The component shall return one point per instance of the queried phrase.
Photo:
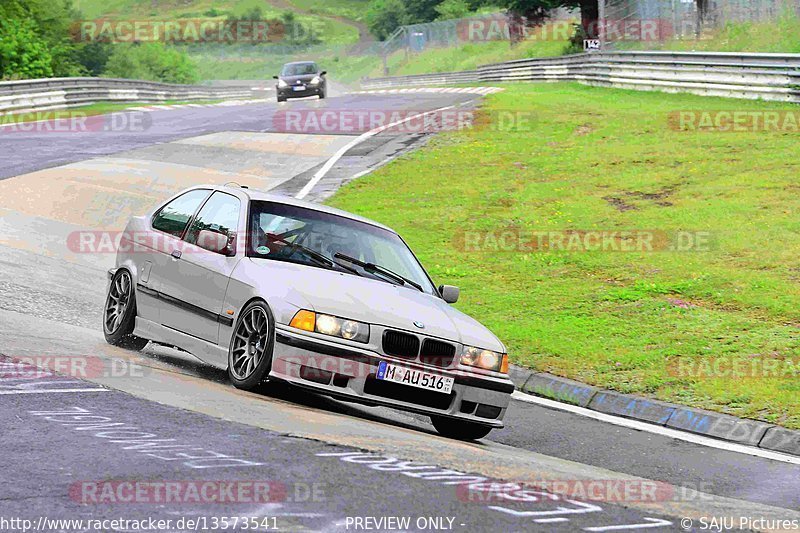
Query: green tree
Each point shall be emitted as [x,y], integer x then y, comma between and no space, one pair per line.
[23,53]
[533,12]
[385,16]
[94,56]
[52,21]
[152,61]
[421,10]
[453,9]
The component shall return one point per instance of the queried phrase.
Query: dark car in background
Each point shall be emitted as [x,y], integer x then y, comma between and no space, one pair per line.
[301,79]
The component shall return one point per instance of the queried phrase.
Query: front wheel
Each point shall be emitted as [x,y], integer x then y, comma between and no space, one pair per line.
[456,429]
[281,99]
[250,351]
[119,316]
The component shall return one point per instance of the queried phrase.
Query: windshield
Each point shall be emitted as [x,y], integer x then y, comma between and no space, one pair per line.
[289,233]
[299,69]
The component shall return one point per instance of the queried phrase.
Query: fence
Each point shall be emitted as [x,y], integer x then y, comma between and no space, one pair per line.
[754,76]
[52,93]
[689,18]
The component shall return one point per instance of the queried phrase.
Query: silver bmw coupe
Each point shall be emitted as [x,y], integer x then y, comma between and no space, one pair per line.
[277,289]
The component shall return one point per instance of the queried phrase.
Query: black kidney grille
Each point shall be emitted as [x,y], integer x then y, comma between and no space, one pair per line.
[437,353]
[400,344]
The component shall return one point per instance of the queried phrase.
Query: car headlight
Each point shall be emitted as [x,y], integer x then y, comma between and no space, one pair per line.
[316,80]
[486,359]
[282,84]
[334,326]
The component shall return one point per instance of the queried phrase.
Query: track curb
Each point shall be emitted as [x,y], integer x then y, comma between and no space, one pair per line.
[680,417]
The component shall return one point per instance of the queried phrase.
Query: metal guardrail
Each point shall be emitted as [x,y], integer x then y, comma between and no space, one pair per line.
[54,93]
[754,76]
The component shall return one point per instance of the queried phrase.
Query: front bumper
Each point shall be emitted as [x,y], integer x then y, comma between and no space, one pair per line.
[309,91]
[348,372]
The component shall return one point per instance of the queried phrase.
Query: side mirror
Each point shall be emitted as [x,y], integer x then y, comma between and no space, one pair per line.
[276,77]
[213,241]
[323,72]
[449,293]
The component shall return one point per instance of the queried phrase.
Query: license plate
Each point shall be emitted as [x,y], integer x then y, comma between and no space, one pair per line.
[414,378]
[299,88]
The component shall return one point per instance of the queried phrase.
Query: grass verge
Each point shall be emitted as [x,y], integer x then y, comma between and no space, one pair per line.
[667,324]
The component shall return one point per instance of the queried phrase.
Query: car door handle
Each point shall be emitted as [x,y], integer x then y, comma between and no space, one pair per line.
[176,254]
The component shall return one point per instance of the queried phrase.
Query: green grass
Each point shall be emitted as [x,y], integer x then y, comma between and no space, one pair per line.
[254,65]
[615,319]
[330,30]
[470,56]
[349,9]
[248,63]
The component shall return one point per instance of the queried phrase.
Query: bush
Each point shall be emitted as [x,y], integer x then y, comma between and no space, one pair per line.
[23,53]
[152,61]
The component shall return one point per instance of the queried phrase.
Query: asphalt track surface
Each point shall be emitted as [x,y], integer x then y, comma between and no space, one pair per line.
[50,306]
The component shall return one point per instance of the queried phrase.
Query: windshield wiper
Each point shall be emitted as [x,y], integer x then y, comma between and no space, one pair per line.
[313,254]
[377,269]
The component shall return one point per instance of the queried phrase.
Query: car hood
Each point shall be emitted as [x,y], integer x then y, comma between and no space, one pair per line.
[377,302]
[305,78]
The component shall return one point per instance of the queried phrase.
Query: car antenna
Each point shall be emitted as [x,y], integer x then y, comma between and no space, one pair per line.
[235,184]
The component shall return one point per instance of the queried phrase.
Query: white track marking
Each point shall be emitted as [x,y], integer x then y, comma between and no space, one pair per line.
[652,522]
[658,430]
[358,140]
[48,391]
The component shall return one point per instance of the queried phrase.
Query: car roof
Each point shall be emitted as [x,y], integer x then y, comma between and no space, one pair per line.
[301,63]
[256,194]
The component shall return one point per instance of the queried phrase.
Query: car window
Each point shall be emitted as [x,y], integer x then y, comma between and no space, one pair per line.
[174,216]
[300,69]
[220,214]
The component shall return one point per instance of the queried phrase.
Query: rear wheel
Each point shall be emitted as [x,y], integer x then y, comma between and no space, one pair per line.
[250,351]
[456,429]
[119,316]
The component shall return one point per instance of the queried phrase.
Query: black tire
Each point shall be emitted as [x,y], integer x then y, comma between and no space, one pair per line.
[251,347]
[119,314]
[281,99]
[457,429]
[323,94]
